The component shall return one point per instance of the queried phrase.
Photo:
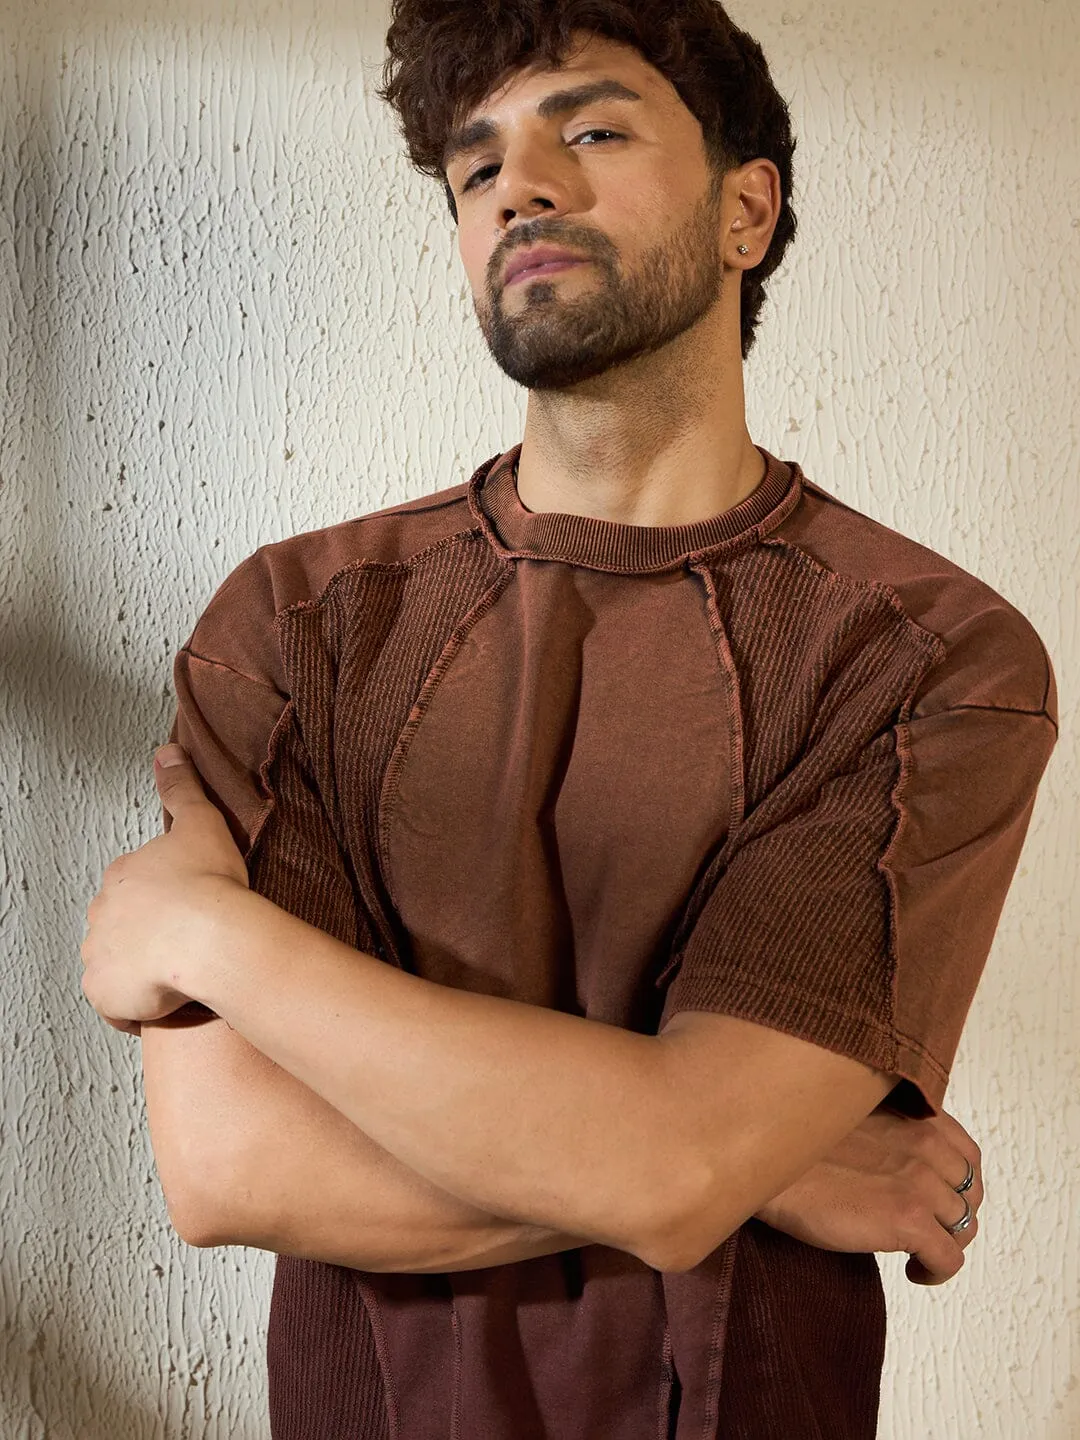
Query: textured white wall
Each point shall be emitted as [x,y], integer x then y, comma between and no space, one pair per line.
[229,312]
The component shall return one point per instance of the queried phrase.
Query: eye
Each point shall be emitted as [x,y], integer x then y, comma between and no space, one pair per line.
[476,181]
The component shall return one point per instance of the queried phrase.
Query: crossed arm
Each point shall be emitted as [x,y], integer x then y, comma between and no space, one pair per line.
[247,1155]
[657,1145]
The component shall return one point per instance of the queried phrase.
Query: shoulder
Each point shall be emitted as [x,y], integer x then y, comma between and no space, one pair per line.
[237,628]
[990,655]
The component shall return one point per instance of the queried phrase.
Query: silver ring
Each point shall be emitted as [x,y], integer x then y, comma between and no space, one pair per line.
[967,1181]
[964,1222]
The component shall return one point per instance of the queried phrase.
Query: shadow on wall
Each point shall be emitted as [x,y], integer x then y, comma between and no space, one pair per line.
[49,1375]
[91,714]
[58,1383]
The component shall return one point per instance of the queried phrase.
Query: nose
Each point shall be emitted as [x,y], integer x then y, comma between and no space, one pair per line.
[535,179]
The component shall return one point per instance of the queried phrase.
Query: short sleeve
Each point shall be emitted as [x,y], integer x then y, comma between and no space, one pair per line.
[861,918]
[238,723]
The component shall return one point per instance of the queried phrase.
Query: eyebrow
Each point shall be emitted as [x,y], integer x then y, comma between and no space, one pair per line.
[561,102]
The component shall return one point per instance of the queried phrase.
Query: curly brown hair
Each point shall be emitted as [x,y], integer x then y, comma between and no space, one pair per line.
[445,56]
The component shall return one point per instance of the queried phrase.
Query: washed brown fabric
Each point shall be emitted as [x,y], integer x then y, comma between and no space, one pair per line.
[777,764]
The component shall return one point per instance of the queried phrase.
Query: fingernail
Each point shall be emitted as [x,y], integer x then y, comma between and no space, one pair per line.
[170,755]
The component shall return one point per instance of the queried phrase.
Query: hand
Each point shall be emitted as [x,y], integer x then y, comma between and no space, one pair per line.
[152,912]
[889,1186]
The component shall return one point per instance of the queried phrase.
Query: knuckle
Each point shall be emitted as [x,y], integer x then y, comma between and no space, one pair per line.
[912,1218]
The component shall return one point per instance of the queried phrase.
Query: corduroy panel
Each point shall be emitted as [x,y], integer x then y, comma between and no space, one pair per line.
[357,660]
[796,932]
[823,661]
[790,924]
[296,861]
[806,1342]
[324,1377]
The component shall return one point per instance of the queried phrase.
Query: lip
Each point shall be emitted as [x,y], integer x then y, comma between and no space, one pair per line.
[541,261]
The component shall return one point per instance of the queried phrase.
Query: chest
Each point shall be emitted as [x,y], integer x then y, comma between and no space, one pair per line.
[564,776]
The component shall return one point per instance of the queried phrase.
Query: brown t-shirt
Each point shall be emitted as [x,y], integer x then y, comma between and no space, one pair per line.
[777,764]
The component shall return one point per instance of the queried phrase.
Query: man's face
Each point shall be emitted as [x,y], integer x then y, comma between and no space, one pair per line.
[643,209]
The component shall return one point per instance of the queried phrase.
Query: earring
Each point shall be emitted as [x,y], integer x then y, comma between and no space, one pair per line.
[744,249]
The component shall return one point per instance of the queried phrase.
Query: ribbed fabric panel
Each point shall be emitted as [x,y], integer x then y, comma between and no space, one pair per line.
[357,661]
[791,922]
[295,861]
[806,1342]
[324,1376]
[823,661]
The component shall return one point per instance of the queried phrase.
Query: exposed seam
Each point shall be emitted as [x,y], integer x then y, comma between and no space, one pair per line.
[392,775]
[1042,714]
[730,676]
[272,745]
[718,1339]
[371,1305]
[419,507]
[897,792]
[877,587]
[917,1048]
[667,1387]
[222,665]
[455,1391]
[387,567]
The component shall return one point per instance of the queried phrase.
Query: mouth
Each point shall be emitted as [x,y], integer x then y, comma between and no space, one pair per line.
[549,267]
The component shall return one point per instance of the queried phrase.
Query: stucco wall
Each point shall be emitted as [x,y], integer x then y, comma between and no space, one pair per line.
[229,312]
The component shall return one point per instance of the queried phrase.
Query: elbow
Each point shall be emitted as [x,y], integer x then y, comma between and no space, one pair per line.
[680,1250]
[203,1215]
[196,1223]
[672,1254]
[689,1234]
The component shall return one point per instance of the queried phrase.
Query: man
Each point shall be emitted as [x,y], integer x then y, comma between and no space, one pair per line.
[625,829]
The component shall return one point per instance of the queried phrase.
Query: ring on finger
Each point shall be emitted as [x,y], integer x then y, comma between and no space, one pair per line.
[964,1221]
[968,1180]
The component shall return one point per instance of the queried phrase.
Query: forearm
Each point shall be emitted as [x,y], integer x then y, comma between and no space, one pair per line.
[531,1114]
[247,1155]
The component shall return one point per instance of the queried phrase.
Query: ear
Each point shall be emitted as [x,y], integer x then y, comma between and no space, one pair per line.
[755,196]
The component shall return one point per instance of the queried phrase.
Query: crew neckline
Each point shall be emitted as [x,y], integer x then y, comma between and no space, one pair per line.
[515,532]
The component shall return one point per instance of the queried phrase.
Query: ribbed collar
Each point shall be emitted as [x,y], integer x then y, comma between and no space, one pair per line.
[605,545]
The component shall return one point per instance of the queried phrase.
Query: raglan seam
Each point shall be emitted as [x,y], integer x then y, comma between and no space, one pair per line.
[224,665]
[1042,714]
[388,567]
[887,592]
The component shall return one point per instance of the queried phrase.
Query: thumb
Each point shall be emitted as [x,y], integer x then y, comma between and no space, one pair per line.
[177,780]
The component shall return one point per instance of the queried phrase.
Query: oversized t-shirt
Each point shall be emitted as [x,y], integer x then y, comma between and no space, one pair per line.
[777,764]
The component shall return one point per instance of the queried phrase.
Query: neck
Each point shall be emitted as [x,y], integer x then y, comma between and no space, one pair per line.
[659,441]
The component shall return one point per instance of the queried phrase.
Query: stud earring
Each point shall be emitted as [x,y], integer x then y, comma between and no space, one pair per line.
[744,249]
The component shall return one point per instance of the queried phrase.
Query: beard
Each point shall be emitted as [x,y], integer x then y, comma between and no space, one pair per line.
[555,341]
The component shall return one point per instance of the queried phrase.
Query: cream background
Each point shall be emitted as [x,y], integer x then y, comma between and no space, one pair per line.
[229,312]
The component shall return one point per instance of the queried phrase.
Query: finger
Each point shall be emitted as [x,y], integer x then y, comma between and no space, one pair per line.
[935,1255]
[953,1169]
[177,780]
[951,1211]
[952,1129]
